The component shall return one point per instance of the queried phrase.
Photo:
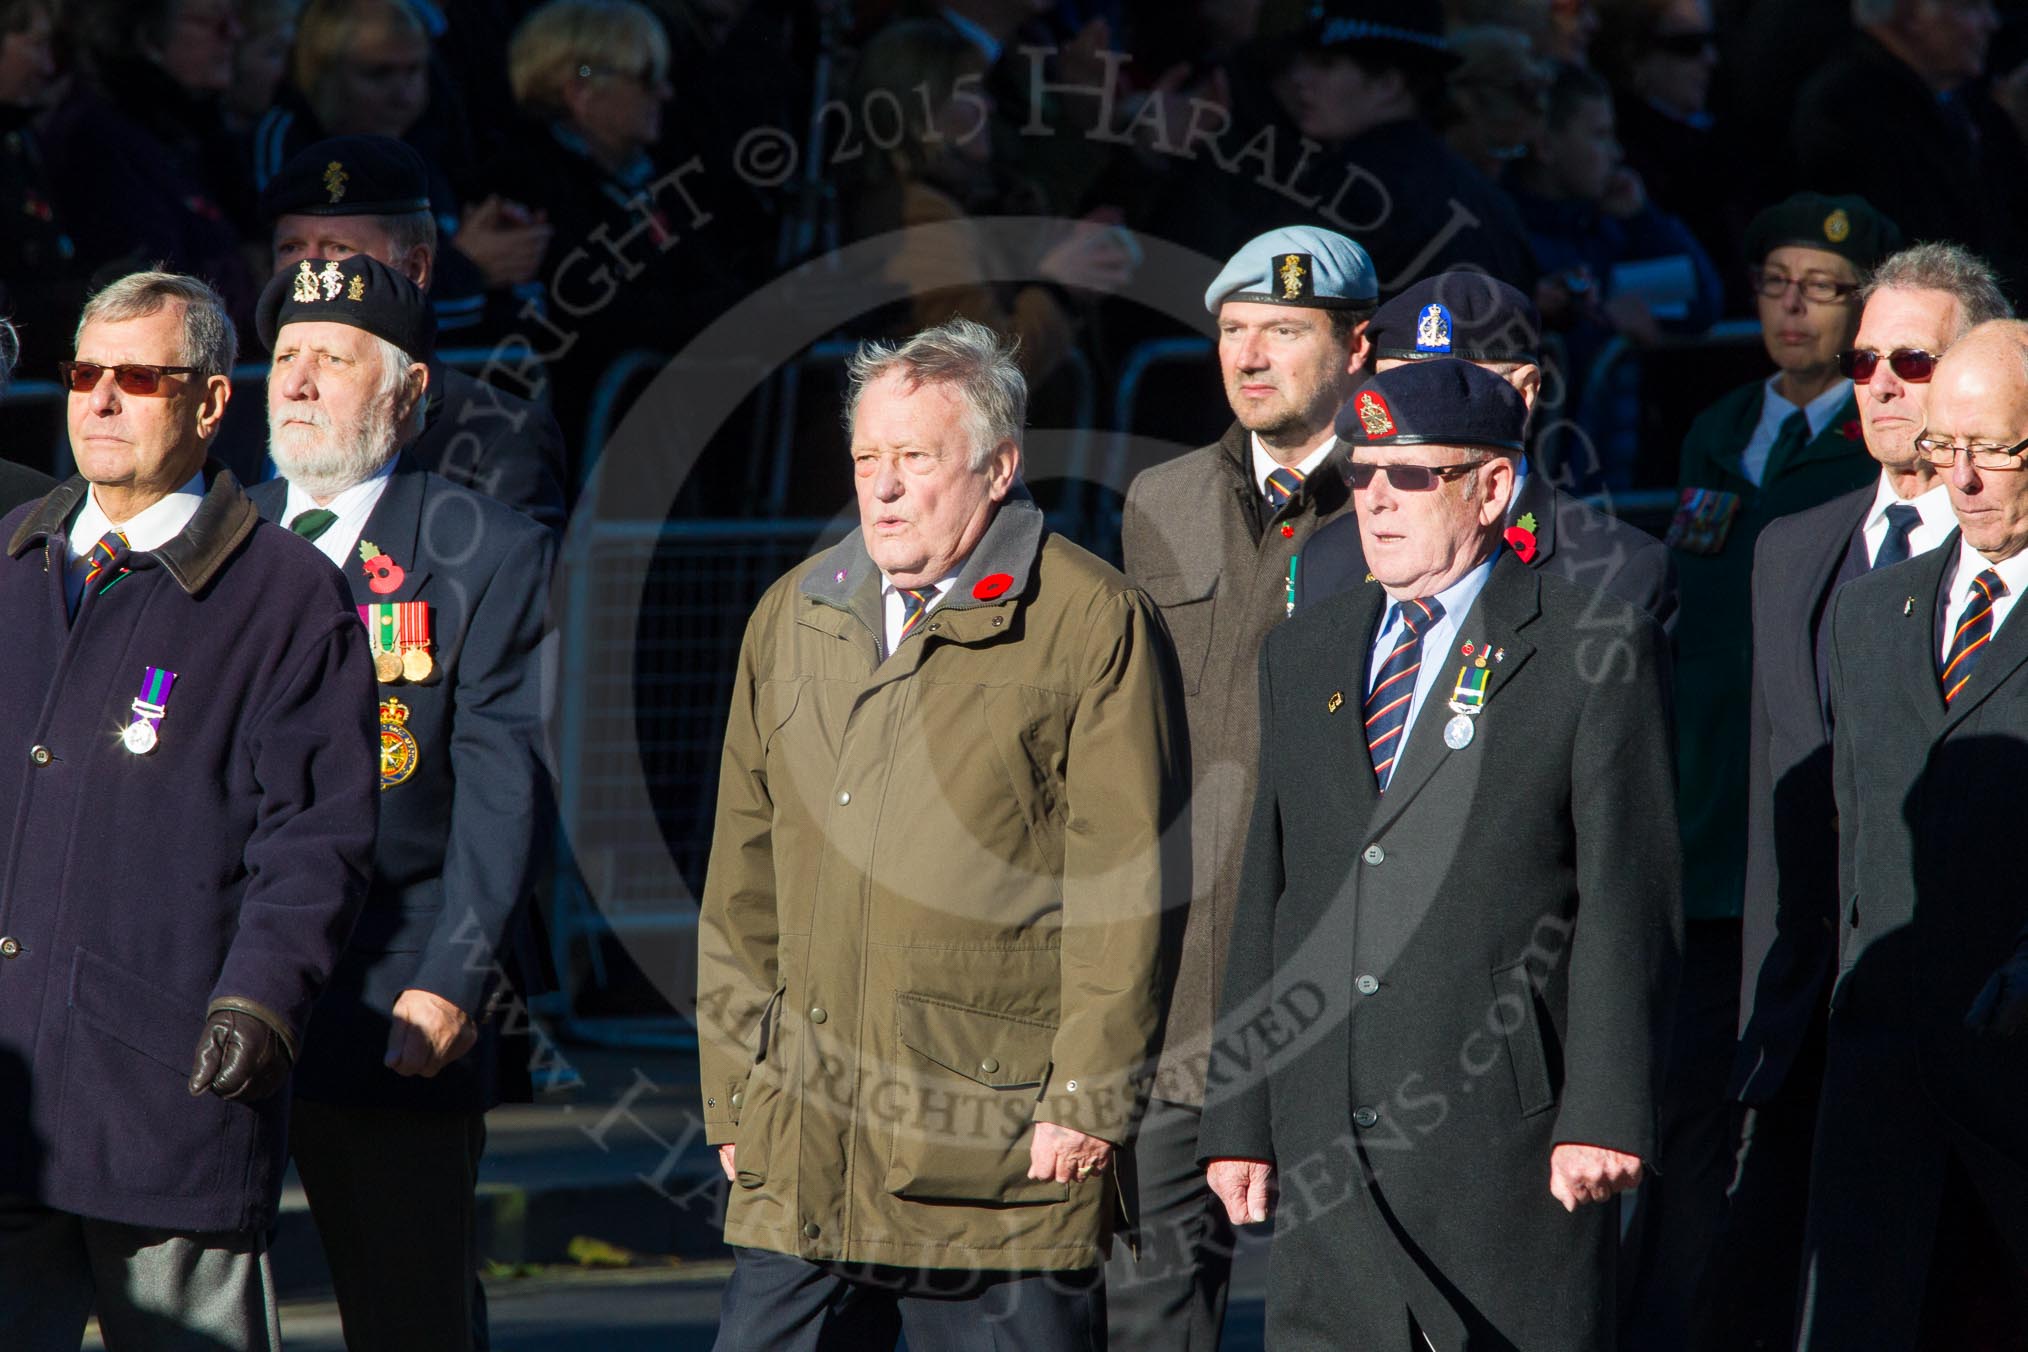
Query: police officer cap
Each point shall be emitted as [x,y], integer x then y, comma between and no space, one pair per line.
[1846,226]
[1410,32]
[349,176]
[361,291]
[1457,314]
[1298,265]
[1442,403]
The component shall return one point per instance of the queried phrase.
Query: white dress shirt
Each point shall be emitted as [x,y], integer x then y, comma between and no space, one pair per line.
[1935,527]
[1775,410]
[341,538]
[150,528]
[1437,648]
[895,613]
[1970,563]
[1265,464]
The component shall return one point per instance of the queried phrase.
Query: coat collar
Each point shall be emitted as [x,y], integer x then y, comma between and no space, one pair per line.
[1538,497]
[193,557]
[1325,486]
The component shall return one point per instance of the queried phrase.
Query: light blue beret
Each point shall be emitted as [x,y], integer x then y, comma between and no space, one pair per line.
[1298,265]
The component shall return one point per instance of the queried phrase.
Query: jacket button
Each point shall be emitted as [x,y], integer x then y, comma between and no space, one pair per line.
[817,1015]
[1374,854]
[1365,1117]
[10,947]
[1367,984]
[1071,1087]
[812,1230]
[844,798]
[40,755]
[738,1099]
[989,1065]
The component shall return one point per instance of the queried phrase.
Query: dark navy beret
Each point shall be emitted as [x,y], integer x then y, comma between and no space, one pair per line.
[1457,314]
[1409,31]
[1847,226]
[1443,403]
[360,291]
[349,176]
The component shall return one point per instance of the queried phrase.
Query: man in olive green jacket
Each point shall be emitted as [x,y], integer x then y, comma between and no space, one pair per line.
[930,972]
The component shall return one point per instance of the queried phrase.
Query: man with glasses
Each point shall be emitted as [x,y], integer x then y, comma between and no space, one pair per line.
[1770,448]
[1443,776]
[1919,302]
[1918,1210]
[192,815]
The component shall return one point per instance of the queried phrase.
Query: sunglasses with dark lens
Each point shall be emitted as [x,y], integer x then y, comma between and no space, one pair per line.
[82,377]
[1911,364]
[1406,478]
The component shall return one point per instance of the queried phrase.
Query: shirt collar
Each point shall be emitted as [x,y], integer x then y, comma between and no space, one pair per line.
[943,585]
[1933,505]
[1818,410]
[1457,598]
[975,35]
[2014,572]
[1265,464]
[300,501]
[150,528]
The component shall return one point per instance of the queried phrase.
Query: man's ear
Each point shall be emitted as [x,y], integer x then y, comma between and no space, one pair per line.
[1358,348]
[211,408]
[1003,467]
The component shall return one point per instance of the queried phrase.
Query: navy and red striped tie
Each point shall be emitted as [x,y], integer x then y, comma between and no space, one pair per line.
[1393,693]
[1283,484]
[1974,632]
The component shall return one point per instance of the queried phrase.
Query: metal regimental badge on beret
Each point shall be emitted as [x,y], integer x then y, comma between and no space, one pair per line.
[1296,271]
[335,179]
[398,750]
[1374,414]
[1837,226]
[306,285]
[1433,330]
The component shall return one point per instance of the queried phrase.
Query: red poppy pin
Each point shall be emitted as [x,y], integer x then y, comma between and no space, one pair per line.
[1851,428]
[1520,537]
[992,586]
[383,575]
[1288,531]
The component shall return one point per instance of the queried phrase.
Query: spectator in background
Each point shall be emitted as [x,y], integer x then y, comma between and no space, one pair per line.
[259,62]
[1558,30]
[1932,150]
[41,285]
[1589,220]
[1496,99]
[18,483]
[365,67]
[138,154]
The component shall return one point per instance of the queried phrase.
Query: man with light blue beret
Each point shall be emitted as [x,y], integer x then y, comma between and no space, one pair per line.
[1213,538]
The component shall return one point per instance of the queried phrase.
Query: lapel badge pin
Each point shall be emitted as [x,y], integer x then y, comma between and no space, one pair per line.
[1908,606]
[838,576]
[1335,703]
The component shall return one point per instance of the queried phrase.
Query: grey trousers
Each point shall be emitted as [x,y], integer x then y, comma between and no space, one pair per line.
[154,1290]
[1171,1296]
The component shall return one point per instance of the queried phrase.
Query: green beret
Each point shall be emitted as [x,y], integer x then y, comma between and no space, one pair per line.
[1846,226]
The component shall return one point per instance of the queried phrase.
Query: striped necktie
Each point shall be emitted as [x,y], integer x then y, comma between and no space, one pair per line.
[1282,484]
[1387,706]
[111,547]
[915,603]
[1974,632]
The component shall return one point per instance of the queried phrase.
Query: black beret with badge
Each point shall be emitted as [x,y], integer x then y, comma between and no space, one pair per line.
[1407,32]
[1847,226]
[360,291]
[1445,402]
[1457,314]
[349,176]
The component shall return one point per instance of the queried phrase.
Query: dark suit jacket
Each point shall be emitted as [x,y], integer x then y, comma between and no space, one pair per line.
[455,848]
[1573,538]
[498,443]
[1452,978]
[1790,926]
[19,484]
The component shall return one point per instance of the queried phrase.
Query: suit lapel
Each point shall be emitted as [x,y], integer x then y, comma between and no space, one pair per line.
[1367,606]
[1916,655]
[2005,652]
[395,527]
[1537,498]
[1511,598]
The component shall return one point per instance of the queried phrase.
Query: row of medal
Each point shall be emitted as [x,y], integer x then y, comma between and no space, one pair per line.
[399,634]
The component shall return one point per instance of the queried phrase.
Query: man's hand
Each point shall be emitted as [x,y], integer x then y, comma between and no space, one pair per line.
[2001,1009]
[239,1058]
[504,240]
[1064,1155]
[1590,1173]
[725,1163]
[429,1033]
[1243,1186]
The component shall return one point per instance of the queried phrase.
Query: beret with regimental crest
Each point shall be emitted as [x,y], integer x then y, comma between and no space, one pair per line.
[360,291]
[1445,402]
[349,176]
[1847,226]
[1297,265]
[1404,32]
[1457,314]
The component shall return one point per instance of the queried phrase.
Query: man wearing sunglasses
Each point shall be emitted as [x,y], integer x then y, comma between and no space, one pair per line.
[192,817]
[1920,301]
[1449,763]
[1926,1066]
[1213,538]
[1485,321]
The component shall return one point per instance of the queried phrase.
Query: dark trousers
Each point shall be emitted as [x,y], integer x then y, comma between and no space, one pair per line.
[777,1302]
[1166,1280]
[1681,1207]
[391,1192]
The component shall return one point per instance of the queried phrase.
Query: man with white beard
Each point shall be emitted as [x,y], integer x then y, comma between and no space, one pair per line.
[396,1076]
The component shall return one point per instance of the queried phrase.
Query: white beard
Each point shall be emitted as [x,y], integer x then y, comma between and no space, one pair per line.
[325,460]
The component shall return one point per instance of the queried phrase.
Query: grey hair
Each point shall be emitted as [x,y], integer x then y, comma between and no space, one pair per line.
[394,379]
[209,343]
[410,230]
[964,354]
[1952,269]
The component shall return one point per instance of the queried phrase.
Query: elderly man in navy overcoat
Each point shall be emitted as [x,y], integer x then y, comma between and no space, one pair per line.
[190,820]
[451,585]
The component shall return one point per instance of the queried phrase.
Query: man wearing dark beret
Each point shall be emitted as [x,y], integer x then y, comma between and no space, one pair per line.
[1769,448]
[1483,320]
[191,816]
[391,1093]
[370,195]
[1448,1074]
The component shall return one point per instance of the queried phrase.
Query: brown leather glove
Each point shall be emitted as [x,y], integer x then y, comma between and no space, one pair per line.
[241,1057]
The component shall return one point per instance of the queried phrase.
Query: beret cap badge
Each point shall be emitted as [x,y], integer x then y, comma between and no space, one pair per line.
[1837,226]
[1374,414]
[1295,276]
[335,179]
[1433,330]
